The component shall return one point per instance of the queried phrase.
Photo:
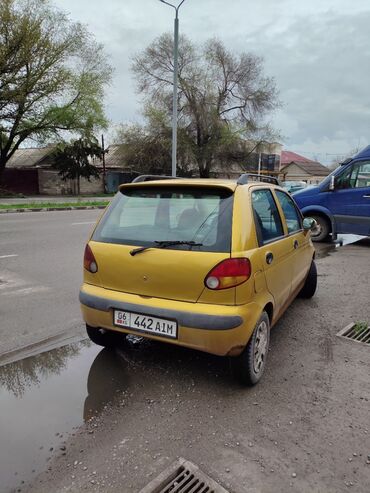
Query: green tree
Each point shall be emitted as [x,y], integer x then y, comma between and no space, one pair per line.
[52,76]
[146,148]
[223,98]
[74,160]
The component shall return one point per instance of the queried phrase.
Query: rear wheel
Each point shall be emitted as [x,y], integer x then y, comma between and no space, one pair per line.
[322,230]
[309,287]
[106,338]
[250,365]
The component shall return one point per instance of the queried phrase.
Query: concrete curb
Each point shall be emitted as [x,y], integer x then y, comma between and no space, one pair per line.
[42,209]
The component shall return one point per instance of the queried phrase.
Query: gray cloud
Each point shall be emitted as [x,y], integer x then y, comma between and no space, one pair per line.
[318,53]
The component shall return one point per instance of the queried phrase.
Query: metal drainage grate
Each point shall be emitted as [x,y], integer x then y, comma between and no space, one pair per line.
[354,333]
[183,477]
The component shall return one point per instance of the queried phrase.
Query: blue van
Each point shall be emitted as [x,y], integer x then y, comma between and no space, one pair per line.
[341,202]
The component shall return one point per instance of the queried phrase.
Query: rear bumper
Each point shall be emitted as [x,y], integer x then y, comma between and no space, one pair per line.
[217,329]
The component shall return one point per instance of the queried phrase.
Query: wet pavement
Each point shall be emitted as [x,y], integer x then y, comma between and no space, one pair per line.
[325,249]
[45,398]
[42,399]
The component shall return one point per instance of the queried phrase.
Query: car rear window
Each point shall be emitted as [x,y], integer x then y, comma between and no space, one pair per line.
[142,216]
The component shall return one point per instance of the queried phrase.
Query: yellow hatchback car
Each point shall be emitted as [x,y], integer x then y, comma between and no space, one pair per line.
[206,264]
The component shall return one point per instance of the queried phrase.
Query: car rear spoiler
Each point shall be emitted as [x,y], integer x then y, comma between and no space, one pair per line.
[248,177]
[141,178]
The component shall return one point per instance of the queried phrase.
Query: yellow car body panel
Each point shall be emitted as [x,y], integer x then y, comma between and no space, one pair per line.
[219,342]
[171,281]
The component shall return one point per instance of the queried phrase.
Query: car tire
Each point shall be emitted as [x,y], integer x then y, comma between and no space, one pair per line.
[309,287]
[322,230]
[105,338]
[250,365]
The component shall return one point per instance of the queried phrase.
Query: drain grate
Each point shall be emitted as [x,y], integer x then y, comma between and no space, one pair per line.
[183,477]
[355,333]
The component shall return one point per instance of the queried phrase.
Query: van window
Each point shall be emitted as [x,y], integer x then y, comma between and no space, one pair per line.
[357,176]
[142,216]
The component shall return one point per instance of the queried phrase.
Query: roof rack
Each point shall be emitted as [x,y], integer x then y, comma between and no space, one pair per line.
[141,178]
[248,177]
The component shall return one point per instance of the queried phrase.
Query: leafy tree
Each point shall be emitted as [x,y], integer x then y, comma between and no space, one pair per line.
[223,97]
[52,76]
[147,148]
[74,160]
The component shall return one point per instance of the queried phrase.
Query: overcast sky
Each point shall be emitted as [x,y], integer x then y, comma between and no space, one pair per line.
[318,51]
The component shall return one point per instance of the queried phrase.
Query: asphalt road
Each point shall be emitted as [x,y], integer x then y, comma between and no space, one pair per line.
[304,428]
[40,274]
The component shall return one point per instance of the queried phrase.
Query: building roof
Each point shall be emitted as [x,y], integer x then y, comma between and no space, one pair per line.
[114,157]
[311,167]
[291,157]
[30,157]
[33,157]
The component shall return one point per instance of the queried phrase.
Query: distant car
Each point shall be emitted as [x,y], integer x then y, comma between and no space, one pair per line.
[206,264]
[294,186]
[341,202]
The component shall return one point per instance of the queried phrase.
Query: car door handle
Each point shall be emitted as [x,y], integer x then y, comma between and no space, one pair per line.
[295,244]
[269,258]
[366,196]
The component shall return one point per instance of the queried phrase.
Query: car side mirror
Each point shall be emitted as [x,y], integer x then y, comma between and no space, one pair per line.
[309,224]
[332,183]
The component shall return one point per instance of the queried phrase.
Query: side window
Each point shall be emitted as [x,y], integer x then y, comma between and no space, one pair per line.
[292,216]
[357,176]
[267,218]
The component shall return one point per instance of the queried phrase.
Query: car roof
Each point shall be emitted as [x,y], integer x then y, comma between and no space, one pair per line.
[197,182]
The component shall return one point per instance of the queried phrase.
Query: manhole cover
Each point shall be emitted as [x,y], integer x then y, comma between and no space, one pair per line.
[356,332]
[183,477]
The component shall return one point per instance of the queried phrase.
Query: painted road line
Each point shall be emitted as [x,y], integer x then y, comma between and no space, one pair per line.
[78,224]
[8,256]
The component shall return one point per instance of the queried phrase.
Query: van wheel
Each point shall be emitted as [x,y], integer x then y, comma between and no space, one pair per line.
[250,365]
[106,338]
[309,287]
[322,230]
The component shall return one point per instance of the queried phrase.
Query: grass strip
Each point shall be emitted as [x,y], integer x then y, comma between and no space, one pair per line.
[54,205]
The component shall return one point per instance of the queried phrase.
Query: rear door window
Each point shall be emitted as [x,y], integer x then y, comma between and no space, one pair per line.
[267,217]
[292,216]
[141,216]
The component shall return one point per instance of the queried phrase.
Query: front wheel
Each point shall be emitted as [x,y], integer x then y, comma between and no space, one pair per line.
[250,365]
[105,338]
[322,229]
[309,287]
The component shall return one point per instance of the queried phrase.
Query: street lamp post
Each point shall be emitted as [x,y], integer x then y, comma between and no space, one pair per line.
[175,82]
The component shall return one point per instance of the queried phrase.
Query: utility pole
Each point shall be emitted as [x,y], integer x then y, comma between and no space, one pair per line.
[175,84]
[104,174]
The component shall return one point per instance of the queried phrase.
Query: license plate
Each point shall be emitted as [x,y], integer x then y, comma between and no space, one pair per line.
[145,323]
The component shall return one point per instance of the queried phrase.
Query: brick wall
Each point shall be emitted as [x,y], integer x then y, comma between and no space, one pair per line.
[50,183]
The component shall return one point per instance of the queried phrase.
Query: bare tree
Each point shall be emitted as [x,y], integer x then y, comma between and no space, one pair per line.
[52,76]
[223,97]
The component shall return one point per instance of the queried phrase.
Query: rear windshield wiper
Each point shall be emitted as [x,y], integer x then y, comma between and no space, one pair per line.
[165,244]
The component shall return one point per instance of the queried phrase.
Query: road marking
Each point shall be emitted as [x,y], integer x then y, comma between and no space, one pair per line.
[25,291]
[11,284]
[8,256]
[89,222]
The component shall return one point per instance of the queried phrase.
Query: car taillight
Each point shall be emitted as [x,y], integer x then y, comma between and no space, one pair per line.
[229,273]
[89,260]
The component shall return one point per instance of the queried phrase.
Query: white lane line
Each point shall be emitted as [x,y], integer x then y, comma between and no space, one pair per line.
[29,290]
[8,256]
[89,222]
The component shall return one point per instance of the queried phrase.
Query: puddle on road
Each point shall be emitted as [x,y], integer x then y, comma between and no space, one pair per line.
[325,249]
[42,399]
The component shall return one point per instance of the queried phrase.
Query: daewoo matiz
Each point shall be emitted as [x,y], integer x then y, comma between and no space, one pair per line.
[206,264]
